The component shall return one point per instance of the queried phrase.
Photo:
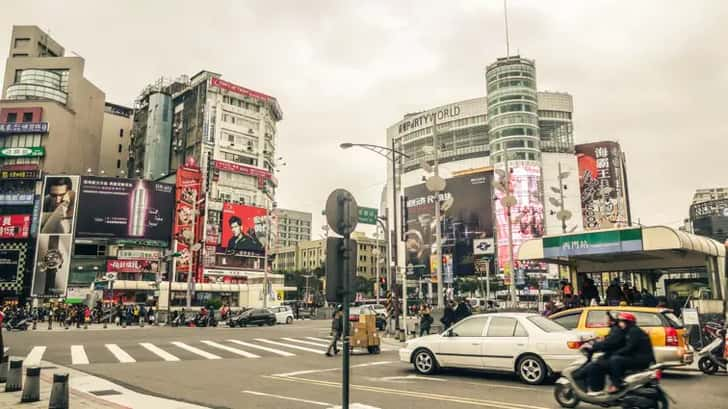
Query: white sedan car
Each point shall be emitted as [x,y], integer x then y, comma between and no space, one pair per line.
[284,314]
[528,344]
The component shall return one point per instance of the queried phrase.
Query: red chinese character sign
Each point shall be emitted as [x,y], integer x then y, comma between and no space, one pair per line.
[188,192]
[14,226]
[604,200]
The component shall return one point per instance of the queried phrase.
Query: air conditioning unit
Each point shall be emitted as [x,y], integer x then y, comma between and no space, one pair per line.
[250,130]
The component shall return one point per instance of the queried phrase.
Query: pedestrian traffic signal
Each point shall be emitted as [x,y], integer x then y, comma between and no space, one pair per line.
[336,268]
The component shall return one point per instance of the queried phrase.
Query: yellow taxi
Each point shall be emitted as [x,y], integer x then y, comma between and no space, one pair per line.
[666,331]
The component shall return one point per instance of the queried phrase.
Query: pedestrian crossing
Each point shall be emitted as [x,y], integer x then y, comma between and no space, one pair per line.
[174,351]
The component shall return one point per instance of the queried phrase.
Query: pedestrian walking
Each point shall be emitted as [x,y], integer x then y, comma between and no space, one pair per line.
[337,327]
[590,292]
[462,311]
[448,316]
[425,319]
[614,293]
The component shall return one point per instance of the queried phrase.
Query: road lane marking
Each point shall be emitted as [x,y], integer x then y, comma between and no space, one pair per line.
[78,355]
[313,402]
[495,385]
[35,355]
[310,371]
[194,350]
[413,394]
[120,354]
[318,339]
[230,349]
[316,344]
[262,348]
[280,344]
[159,352]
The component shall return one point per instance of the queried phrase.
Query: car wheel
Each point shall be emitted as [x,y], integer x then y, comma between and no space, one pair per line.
[272,322]
[425,362]
[289,320]
[532,370]
[707,366]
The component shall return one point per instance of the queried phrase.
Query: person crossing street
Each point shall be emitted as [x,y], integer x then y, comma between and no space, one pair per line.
[337,327]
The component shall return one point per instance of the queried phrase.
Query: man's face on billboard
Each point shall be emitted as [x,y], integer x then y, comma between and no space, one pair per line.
[235,228]
[58,193]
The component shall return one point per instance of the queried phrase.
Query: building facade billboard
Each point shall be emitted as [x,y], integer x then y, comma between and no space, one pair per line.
[604,200]
[15,226]
[243,230]
[55,237]
[124,208]
[526,215]
[467,212]
[188,192]
[9,263]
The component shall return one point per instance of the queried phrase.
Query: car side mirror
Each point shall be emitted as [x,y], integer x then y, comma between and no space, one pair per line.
[450,333]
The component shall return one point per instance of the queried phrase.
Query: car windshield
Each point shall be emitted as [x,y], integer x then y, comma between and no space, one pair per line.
[546,324]
[673,319]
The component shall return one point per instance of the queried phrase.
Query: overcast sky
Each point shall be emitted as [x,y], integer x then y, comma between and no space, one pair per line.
[652,75]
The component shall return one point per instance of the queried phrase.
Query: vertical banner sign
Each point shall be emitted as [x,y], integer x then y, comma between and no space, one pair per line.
[603,194]
[55,236]
[188,190]
[526,216]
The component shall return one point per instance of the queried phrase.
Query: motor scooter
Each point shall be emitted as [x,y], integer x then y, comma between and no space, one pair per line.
[641,389]
[711,358]
[19,323]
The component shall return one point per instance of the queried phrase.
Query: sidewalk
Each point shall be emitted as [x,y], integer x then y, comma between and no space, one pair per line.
[43,327]
[89,392]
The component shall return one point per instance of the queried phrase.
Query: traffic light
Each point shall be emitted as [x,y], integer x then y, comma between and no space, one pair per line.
[383,283]
[335,269]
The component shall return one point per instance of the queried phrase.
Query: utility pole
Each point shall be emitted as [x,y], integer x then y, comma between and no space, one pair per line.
[265,259]
[438,222]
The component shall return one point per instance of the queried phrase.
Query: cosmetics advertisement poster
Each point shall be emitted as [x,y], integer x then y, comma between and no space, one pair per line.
[124,208]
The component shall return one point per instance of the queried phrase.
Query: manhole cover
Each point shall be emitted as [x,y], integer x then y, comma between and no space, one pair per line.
[105,392]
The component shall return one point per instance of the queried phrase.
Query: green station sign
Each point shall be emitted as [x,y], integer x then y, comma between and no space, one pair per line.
[367,215]
[596,242]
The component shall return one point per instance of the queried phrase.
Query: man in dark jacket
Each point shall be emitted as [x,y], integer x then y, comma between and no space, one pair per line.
[614,293]
[598,368]
[462,311]
[448,316]
[590,292]
[636,353]
[337,327]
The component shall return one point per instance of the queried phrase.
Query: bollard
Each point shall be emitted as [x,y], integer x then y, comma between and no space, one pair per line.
[4,368]
[31,389]
[105,324]
[35,324]
[141,322]
[85,325]
[50,323]
[15,376]
[59,392]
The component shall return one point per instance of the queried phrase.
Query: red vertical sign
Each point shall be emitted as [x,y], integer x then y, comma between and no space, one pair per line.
[189,187]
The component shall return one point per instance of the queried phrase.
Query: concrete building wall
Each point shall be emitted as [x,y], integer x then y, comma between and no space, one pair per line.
[31,41]
[115,136]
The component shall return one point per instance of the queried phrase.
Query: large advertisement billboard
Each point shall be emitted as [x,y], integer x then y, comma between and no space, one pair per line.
[526,215]
[55,239]
[14,226]
[243,230]
[188,190]
[124,208]
[9,261]
[466,208]
[604,199]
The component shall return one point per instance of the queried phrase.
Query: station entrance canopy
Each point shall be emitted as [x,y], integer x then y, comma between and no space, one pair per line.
[633,249]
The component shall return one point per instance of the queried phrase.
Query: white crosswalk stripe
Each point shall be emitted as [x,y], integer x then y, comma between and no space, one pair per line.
[262,348]
[318,339]
[78,355]
[195,351]
[280,344]
[120,354]
[159,352]
[317,344]
[35,355]
[230,349]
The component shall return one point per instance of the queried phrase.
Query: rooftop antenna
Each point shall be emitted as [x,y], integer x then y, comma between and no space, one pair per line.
[508,40]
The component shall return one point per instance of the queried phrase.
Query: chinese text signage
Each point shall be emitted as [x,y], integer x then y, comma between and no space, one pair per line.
[24,127]
[367,215]
[603,194]
[14,226]
[30,152]
[600,242]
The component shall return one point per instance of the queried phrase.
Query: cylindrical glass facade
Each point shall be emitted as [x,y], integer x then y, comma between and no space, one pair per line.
[38,84]
[513,110]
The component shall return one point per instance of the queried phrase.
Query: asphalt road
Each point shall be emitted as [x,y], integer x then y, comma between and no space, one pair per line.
[284,367]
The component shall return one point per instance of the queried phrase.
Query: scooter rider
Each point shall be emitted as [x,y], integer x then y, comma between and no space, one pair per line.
[597,369]
[636,354]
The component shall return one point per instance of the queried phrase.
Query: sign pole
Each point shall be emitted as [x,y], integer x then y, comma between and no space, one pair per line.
[346,325]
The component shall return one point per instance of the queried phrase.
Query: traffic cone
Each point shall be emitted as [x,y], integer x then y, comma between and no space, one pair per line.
[31,390]
[59,392]
[14,382]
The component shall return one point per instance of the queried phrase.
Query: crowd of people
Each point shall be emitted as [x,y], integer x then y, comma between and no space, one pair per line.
[615,295]
[81,314]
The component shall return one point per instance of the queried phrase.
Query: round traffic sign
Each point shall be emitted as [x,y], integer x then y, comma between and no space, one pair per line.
[111,276]
[342,212]
[435,183]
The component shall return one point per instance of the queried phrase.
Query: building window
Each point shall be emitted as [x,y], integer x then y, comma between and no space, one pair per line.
[121,133]
[21,42]
[119,148]
[12,117]
[27,117]
[118,163]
